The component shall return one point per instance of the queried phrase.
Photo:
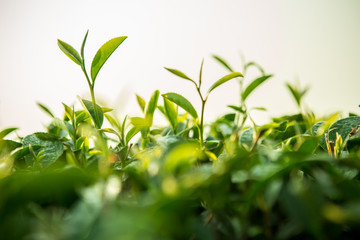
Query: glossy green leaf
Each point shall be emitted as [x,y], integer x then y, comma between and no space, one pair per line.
[180,74]
[70,52]
[52,148]
[225,79]
[223,62]
[141,102]
[7,131]
[253,85]
[171,112]
[151,106]
[88,106]
[182,102]
[103,54]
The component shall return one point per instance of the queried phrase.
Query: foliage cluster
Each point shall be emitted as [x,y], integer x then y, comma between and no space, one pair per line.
[296,177]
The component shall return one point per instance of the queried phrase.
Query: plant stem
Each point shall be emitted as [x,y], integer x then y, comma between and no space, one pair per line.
[91,87]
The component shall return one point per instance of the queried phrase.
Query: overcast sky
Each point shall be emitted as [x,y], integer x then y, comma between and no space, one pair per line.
[314,41]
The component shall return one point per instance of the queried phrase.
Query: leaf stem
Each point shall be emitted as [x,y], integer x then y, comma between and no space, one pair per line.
[92,92]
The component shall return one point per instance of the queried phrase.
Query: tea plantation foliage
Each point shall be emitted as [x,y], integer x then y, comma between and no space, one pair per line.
[296,177]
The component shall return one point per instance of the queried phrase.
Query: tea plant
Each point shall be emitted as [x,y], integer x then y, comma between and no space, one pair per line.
[296,177]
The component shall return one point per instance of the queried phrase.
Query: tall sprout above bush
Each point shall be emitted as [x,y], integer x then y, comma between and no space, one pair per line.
[99,59]
[187,106]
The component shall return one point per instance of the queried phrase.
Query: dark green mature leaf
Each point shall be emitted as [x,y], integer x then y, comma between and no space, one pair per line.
[45,109]
[151,106]
[7,131]
[52,148]
[171,112]
[103,54]
[70,52]
[179,74]
[253,85]
[225,79]
[343,127]
[223,62]
[182,102]
[88,106]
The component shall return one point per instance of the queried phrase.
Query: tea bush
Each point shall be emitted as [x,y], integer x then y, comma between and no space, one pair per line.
[296,177]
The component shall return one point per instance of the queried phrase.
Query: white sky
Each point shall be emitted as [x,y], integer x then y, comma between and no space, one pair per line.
[315,41]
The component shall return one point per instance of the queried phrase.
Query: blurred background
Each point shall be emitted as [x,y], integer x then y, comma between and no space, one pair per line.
[313,42]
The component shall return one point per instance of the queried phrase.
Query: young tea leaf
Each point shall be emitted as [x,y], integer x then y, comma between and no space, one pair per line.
[88,106]
[141,102]
[253,85]
[45,109]
[171,112]
[83,46]
[70,52]
[180,74]
[103,54]
[224,80]
[7,131]
[182,102]
[223,62]
[151,106]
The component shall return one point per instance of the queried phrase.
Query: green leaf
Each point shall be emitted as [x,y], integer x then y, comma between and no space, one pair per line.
[88,106]
[70,52]
[131,133]
[140,122]
[151,106]
[171,112]
[223,62]
[200,73]
[254,64]
[141,102]
[343,127]
[103,54]
[180,74]
[182,102]
[8,145]
[68,112]
[7,131]
[45,109]
[253,85]
[224,80]
[83,46]
[52,148]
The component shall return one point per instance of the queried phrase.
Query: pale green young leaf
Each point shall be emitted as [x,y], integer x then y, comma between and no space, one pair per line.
[223,62]
[140,122]
[68,112]
[70,52]
[170,112]
[141,102]
[83,46]
[180,74]
[182,102]
[225,79]
[131,133]
[151,106]
[253,85]
[103,54]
